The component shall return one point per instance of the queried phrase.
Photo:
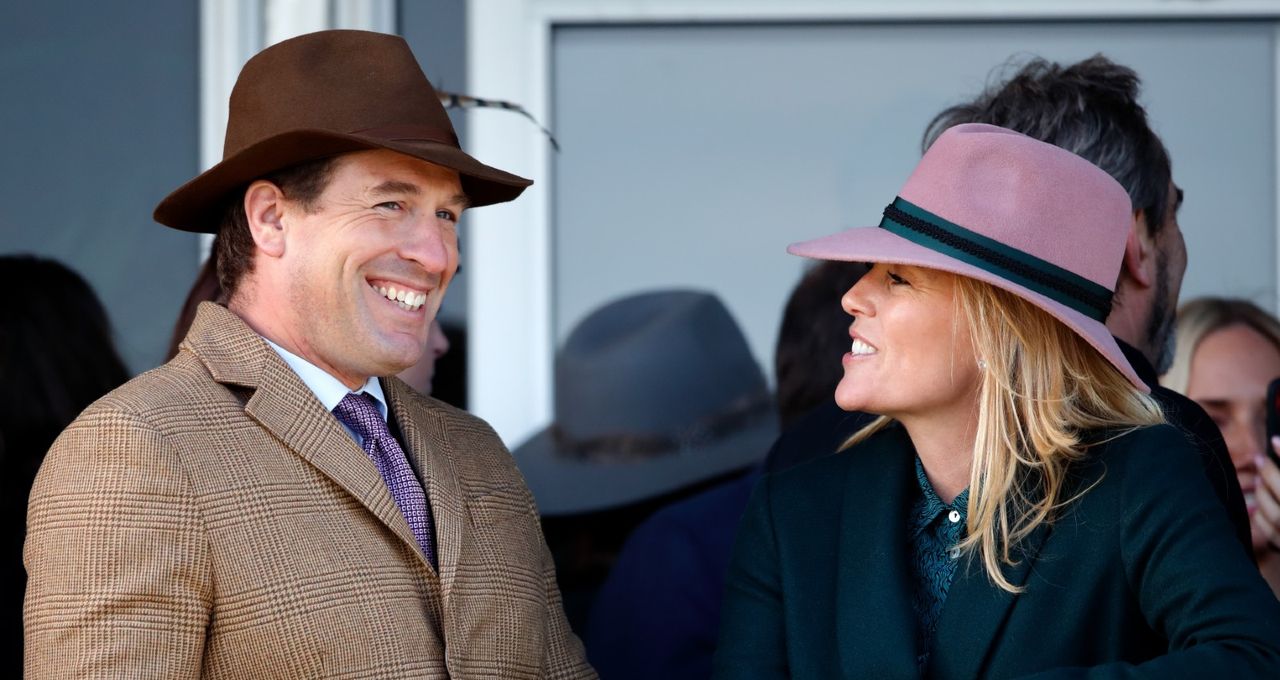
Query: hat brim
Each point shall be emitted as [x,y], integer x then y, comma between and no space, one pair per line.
[197,205]
[873,244]
[564,485]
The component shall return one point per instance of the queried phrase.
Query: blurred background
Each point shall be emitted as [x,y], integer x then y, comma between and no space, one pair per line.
[696,140]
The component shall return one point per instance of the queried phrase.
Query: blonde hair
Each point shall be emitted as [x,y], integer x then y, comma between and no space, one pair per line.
[1042,389]
[1201,317]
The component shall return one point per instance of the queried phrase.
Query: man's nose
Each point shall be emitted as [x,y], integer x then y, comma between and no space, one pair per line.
[428,245]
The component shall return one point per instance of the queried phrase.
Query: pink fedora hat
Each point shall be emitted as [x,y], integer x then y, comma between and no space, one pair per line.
[1015,212]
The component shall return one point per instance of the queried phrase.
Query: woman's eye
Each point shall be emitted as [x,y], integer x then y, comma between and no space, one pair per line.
[898,280]
[446,215]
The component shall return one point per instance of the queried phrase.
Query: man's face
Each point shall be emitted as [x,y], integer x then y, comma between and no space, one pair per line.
[386,225]
[1171,264]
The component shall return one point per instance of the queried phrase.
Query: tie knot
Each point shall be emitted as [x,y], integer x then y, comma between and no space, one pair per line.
[360,413]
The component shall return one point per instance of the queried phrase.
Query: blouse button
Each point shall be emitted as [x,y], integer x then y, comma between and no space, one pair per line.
[954,516]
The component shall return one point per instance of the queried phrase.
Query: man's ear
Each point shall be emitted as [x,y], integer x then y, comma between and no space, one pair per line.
[1139,252]
[264,210]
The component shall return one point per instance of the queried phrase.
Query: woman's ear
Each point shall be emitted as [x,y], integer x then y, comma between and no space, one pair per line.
[264,210]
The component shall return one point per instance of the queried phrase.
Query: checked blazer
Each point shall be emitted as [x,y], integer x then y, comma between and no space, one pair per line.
[211,519]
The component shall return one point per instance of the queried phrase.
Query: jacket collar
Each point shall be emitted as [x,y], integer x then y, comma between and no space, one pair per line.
[280,402]
[1146,372]
[873,596]
[874,585]
[975,610]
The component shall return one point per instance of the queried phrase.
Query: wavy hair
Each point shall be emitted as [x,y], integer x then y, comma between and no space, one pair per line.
[1043,388]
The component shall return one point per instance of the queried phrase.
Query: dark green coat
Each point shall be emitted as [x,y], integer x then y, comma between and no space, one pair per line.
[1140,577]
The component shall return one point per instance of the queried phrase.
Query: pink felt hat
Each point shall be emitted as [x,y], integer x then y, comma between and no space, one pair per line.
[998,206]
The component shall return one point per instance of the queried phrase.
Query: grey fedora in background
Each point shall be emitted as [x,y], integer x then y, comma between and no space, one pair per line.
[654,392]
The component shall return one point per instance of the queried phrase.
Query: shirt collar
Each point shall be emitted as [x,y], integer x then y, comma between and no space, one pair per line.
[930,505]
[328,389]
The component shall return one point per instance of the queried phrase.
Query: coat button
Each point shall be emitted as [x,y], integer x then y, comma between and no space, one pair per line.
[954,553]
[954,516]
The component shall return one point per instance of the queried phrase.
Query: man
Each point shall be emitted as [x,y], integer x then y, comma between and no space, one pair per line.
[1091,108]
[264,505]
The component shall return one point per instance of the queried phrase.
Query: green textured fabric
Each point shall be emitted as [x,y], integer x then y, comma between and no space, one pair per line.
[934,529]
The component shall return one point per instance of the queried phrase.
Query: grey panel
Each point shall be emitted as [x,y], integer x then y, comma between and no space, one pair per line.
[693,155]
[99,121]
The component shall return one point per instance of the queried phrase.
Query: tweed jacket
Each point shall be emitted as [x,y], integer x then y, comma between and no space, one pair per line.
[211,519]
[1139,576]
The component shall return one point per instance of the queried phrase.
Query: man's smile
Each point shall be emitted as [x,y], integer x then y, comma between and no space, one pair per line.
[404,297]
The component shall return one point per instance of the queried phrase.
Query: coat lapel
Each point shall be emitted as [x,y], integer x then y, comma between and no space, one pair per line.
[873,597]
[283,405]
[428,451]
[975,611]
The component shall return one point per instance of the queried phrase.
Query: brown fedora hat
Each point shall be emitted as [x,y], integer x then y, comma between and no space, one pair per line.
[324,94]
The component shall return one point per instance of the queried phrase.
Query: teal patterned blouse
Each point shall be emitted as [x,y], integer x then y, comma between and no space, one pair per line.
[935,528]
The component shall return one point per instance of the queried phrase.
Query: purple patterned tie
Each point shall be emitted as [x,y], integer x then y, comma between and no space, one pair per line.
[360,413]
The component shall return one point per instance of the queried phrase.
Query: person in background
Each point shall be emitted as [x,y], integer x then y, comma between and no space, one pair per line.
[419,376]
[1228,351]
[57,356]
[657,397]
[658,612]
[1091,108]
[1019,508]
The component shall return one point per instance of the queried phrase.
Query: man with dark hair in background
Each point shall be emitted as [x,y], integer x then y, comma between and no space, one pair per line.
[1091,109]
[272,502]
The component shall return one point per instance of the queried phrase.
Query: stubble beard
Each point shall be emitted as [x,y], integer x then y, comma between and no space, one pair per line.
[1161,338]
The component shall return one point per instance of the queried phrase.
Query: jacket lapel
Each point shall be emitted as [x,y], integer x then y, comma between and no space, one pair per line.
[873,597]
[975,610]
[428,451]
[283,405]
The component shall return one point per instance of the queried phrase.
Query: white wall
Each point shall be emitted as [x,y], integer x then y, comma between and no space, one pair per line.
[754,122]
[692,155]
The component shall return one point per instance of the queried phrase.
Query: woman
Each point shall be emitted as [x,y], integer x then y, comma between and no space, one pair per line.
[1228,350]
[57,356]
[1019,508]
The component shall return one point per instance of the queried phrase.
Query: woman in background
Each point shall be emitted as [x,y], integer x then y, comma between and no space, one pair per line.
[1228,350]
[1019,508]
[56,357]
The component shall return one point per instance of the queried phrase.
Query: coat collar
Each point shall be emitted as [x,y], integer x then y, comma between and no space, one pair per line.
[428,447]
[975,612]
[1140,364]
[280,402]
[873,597]
[874,584]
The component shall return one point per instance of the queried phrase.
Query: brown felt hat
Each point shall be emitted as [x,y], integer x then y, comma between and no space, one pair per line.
[324,94]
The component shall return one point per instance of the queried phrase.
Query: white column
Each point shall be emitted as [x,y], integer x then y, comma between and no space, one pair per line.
[509,262]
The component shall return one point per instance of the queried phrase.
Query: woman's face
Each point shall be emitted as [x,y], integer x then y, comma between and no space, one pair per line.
[1230,369]
[911,353]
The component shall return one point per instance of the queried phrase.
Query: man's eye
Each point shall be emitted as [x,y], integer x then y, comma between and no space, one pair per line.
[390,205]
[446,215]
